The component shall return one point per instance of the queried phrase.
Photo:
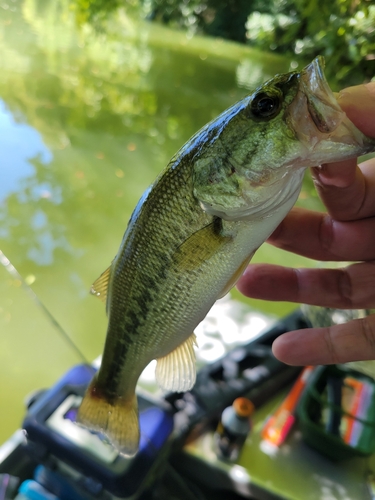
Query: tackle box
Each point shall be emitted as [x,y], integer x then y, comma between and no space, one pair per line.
[336,412]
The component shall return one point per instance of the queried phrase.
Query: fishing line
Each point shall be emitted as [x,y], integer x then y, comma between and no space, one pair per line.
[15,274]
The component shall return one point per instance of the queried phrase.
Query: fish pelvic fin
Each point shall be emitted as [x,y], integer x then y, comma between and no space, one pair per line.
[116,418]
[177,371]
[100,287]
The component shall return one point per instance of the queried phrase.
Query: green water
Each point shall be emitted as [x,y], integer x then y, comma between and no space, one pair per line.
[87,120]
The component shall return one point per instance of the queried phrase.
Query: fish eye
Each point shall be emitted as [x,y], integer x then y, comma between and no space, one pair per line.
[265,105]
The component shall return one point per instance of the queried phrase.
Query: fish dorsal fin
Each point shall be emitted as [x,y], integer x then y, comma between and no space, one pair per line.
[201,245]
[100,287]
[177,371]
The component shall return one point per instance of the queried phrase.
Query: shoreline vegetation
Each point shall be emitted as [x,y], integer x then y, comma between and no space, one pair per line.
[343,31]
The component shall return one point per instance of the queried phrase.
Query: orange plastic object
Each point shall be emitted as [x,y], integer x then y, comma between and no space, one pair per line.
[279,424]
[243,407]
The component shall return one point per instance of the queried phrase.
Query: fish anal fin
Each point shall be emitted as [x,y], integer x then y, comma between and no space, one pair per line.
[116,418]
[177,371]
[100,287]
[201,246]
[236,276]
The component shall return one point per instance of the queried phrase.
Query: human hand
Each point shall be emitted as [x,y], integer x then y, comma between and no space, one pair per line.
[345,233]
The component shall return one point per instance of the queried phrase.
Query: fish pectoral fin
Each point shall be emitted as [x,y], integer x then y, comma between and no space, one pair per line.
[100,287]
[201,245]
[235,277]
[177,371]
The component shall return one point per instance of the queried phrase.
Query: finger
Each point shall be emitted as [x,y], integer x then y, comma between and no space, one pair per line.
[347,288]
[347,190]
[318,236]
[352,341]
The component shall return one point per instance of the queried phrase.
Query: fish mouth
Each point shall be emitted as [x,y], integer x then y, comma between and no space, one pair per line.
[321,103]
[318,121]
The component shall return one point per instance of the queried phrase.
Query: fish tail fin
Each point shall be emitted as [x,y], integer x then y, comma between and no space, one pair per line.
[116,418]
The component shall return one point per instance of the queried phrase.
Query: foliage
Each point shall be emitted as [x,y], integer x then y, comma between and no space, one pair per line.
[97,11]
[223,18]
[342,30]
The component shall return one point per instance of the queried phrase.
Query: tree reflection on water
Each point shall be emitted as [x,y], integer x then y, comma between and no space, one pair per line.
[94,116]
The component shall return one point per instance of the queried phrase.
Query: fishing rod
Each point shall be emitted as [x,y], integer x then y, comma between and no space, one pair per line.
[4,261]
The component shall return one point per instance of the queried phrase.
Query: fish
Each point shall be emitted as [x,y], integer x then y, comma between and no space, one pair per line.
[195,230]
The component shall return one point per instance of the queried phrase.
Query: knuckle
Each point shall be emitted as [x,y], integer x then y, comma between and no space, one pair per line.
[326,232]
[367,329]
[345,288]
[330,345]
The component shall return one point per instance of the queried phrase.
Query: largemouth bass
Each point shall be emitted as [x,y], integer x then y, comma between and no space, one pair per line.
[195,230]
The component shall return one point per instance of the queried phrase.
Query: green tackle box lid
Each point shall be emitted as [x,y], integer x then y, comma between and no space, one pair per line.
[354,433]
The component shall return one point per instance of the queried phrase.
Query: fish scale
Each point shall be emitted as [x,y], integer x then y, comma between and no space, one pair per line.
[159,227]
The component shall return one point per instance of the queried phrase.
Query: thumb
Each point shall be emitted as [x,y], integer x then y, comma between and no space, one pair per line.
[359,104]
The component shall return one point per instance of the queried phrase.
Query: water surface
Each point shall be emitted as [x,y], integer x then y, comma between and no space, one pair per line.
[87,121]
